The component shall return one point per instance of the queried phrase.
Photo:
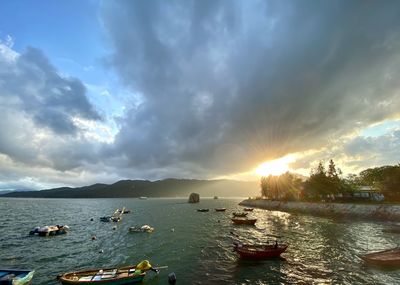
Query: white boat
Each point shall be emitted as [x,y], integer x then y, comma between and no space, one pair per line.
[143,198]
[142,229]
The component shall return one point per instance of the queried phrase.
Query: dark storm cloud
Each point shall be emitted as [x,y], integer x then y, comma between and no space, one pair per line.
[50,98]
[227,84]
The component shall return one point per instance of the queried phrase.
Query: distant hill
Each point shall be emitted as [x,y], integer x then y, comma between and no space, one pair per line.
[160,188]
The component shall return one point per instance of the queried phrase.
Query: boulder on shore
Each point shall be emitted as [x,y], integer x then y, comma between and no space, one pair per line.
[194,198]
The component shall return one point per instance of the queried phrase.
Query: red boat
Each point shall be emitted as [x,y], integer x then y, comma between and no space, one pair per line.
[244,221]
[259,252]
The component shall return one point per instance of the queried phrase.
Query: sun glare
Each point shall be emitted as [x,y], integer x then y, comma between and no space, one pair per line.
[275,167]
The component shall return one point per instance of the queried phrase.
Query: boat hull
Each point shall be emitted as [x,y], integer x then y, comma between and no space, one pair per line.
[386,258]
[106,282]
[22,277]
[244,221]
[260,253]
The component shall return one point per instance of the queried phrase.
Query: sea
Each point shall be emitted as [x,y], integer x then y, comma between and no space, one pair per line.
[196,246]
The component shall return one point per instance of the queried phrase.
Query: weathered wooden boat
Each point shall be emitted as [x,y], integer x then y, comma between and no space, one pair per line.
[142,229]
[203,210]
[244,221]
[220,209]
[385,258]
[50,230]
[248,209]
[108,276]
[16,276]
[259,252]
[392,230]
[236,214]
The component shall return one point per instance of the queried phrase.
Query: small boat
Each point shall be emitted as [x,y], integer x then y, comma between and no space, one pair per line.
[392,230]
[220,209]
[259,252]
[386,258]
[108,276]
[105,219]
[143,198]
[248,209]
[244,221]
[240,214]
[142,229]
[50,230]
[215,197]
[203,210]
[16,276]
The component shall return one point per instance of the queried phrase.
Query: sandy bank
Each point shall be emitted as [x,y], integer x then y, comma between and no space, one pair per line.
[376,212]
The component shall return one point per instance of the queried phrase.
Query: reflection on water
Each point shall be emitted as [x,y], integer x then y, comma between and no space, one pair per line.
[198,249]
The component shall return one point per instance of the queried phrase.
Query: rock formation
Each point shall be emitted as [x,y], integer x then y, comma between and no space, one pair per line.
[194,198]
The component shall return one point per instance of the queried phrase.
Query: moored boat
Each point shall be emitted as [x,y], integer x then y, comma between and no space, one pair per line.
[220,209]
[236,214]
[16,276]
[259,252]
[142,229]
[386,258]
[392,230]
[203,210]
[50,230]
[248,209]
[108,276]
[244,221]
[105,219]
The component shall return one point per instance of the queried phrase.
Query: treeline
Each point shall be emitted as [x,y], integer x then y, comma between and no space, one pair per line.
[329,184]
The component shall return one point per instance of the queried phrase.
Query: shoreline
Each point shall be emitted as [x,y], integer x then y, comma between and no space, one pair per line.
[382,212]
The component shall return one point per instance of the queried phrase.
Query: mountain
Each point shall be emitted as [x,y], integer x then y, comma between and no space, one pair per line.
[161,188]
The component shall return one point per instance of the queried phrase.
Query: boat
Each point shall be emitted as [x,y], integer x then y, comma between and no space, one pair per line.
[215,197]
[248,209]
[244,221]
[392,230]
[220,209]
[49,230]
[143,198]
[236,214]
[16,276]
[386,258]
[142,229]
[106,219]
[259,252]
[108,276]
[203,210]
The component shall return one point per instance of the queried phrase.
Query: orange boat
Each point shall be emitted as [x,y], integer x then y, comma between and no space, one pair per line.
[259,252]
[390,258]
[244,221]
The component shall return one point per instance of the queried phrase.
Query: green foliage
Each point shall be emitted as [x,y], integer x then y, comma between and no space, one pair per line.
[285,186]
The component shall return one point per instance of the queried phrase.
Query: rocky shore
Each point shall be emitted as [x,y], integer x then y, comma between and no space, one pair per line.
[385,212]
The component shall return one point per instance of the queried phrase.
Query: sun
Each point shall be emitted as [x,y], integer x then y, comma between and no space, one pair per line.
[275,167]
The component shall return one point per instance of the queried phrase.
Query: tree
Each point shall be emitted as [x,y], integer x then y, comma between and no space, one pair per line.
[285,186]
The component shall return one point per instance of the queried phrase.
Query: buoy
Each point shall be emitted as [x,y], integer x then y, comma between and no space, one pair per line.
[171,278]
[114,228]
[172,230]
[101,251]
[91,219]
[94,237]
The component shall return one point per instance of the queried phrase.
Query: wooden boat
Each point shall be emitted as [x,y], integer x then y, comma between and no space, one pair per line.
[248,209]
[142,229]
[203,210]
[15,276]
[392,230]
[387,258]
[259,252]
[220,209]
[244,221]
[236,214]
[108,276]
[50,230]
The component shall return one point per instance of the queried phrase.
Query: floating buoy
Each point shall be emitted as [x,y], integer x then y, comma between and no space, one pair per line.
[94,237]
[101,251]
[172,278]
[172,230]
[91,219]
[114,228]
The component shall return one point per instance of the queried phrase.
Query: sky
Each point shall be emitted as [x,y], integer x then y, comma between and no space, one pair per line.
[98,91]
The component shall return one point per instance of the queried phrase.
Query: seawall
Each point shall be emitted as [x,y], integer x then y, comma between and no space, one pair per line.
[385,212]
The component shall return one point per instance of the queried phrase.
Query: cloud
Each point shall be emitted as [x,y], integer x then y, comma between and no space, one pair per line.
[226,85]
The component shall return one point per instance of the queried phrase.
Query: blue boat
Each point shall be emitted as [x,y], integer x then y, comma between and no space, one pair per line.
[15,276]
